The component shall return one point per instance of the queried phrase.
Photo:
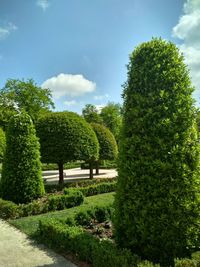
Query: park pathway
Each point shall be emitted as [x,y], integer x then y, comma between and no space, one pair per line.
[16,250]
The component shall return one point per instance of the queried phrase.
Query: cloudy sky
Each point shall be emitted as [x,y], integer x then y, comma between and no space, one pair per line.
[79,48]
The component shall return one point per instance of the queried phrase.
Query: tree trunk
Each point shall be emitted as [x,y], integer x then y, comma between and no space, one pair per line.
[97,167]
[91,170]
[61,177]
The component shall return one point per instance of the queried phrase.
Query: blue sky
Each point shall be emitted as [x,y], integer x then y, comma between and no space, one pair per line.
[79,48]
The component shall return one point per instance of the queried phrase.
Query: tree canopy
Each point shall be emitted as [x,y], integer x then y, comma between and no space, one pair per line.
[157,200]
[21,180]
[64,137]
[90,114]
[111,115]
[20,95]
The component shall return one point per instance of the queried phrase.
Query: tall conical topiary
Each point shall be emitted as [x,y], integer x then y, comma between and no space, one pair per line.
[2,144]
[157,200]
[21,173]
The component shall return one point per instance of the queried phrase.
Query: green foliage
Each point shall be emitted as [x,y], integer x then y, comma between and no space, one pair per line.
[8,209]
[65,136]
[21,180]
[90,114]
[51,188]
[157,200]
[96,189]
[24,96]
[2,144]
[72,198]
[107,144]
[88,248]
[111,115]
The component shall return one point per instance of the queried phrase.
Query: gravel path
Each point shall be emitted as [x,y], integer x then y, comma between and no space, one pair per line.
[16,250]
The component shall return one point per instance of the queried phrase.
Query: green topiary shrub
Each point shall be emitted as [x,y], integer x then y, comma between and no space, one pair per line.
[107,143]
[2,144]
[157,200]
[21,180]
[65,136]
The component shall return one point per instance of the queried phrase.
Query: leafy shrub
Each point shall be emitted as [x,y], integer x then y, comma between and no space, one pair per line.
[185,263]
[50,188]
[8,209]
[70,199]
[157,200]
[21,180]
[98,213]
[88,248]
[96,189]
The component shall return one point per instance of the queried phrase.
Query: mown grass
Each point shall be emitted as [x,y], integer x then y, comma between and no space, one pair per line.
[29,225]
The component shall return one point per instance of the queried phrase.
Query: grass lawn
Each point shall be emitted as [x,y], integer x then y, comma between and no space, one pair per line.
[29,224]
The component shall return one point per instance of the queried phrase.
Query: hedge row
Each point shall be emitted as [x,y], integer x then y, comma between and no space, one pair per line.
[74,239]
[50,188]
[96,189]
[10,210]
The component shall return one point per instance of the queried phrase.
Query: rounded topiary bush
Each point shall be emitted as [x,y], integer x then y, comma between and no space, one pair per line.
[21,180]
[157,200]
[64,137]
[2,144]
[107,143]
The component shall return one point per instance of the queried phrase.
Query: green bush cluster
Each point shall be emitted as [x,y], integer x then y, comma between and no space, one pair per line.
[157,200]
[21,180]
[51,188]
[96,189]
[2,144]
[10,210]
[74,239]
[98,213]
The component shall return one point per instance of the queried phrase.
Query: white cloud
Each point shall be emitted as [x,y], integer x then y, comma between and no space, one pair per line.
[44,4]
[69,85]
[101,97]
[188,30]
[71,103]
[6,30]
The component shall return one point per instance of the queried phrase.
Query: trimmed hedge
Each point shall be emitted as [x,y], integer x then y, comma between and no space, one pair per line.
[9,210]
[96,189]
[74,239]
[51,188]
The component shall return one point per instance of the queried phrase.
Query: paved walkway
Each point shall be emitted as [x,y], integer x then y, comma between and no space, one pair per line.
[16,250]
[77,174]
